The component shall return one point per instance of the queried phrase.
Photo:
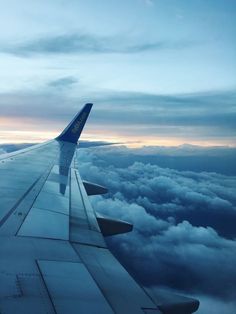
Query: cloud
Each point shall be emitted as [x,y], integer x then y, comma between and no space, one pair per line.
[208,110]
[149,2]
[8,148]
[202,198]
[86,43]
[2,151]
[40,106]
[184,222]
[86,144]
[138,113]
[63,82]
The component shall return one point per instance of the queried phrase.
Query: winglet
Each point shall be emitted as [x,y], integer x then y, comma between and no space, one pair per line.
[75,127]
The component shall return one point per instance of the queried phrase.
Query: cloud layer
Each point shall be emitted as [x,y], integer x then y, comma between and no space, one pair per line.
[207,117]
[184,223]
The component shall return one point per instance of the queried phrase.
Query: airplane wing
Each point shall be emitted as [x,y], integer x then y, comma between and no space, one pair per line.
[53,257]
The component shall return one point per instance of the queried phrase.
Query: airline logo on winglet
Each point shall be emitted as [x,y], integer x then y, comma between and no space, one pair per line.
[72,132]
[79,122]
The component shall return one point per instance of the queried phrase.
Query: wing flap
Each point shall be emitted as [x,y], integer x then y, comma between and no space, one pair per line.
[84,227]
[123,293]
[72,289]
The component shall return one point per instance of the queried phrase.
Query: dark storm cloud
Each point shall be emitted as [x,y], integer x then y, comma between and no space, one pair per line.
[86,43]
[177,239]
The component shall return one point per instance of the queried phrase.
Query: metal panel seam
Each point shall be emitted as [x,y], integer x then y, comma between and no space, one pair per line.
[46,288]
[4,219]
[79,255]
[82,200]
[47,171]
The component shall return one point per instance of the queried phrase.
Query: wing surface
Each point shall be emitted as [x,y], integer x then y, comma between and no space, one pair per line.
[53,257]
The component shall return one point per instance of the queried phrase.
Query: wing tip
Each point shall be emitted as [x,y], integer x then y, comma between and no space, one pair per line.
[74,129]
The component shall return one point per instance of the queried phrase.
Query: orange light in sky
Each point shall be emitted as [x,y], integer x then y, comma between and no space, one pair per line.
[16,130]
[10,137]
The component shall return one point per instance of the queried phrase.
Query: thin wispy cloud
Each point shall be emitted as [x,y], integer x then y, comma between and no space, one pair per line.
[63,82]
[87,43]
[148,2]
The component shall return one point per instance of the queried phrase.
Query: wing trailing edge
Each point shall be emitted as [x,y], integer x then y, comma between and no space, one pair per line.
[74,129]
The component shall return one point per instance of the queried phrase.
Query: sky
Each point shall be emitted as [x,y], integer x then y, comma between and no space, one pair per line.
[161,75]
[158,72]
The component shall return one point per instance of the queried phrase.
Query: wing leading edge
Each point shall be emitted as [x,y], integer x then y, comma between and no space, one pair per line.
[53,257]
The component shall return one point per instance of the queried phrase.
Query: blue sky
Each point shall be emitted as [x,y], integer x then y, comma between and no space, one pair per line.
[172,63]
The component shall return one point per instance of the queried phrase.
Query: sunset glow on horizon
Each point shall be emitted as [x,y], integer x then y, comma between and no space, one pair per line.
[37,136]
